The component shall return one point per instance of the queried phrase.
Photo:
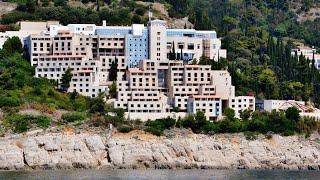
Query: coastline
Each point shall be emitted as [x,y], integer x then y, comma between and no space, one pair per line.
[140,150]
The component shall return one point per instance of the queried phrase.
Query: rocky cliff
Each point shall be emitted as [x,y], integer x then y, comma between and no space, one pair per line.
[140,150]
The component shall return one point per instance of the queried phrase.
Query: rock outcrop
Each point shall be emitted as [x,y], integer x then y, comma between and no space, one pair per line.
[62,151]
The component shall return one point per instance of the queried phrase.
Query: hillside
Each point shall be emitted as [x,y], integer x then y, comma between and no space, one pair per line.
[258,35]
[115,12]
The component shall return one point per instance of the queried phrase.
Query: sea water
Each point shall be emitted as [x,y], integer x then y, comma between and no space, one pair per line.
[160,174]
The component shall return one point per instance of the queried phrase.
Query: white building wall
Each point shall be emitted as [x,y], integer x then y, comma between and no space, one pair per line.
[157,40]
[211,106]
[240,103]
[270,105]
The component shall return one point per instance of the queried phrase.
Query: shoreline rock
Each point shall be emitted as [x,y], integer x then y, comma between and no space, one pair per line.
[138,150]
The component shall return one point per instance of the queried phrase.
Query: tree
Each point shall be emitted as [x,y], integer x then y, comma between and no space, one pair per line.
[200,119]
[120,113]
[136,19]
[245,114]
[73,95]
[229,113]
[44,3]
[97,105]
[204,60]
[113,90]
[113,73]
[268,83]
[172,54]
[31,5]
[65,79]
[293,114]
[61,3]
[16,44]
[12,45]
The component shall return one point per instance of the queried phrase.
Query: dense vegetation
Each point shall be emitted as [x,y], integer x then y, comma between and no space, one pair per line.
[259,36]
[20,91]
[285,123]
[115,13]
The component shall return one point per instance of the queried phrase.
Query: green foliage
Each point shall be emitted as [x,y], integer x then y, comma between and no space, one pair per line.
[255,34]
[292,114]
[157,126]
[60,2]
[72,117]
[117,13]
[176,109]
[66,78]
[154,131]
[42,121]
[250,135]
[97,105]
[22,123]
[119,113]
[113,90]
[9,101]
[245,114]
[11,46]
[260,122]
[229,113]
[113,70]
[31,5]
[124,129]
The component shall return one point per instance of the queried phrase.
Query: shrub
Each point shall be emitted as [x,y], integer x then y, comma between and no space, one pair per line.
[9,102]
[162,124]
[293,114]
[97,105]
[124,129]
[72,117]
[119,112]
[44,108]
[250,135]
[98,120]
[22,123]
[42,121]
[19,123]
[51,93]
[288,132]
[154,131]
[211,128]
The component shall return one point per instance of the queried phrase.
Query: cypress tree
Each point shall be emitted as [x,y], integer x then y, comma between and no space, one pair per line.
[174,57]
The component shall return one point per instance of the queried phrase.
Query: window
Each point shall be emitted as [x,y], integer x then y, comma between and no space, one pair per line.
[191,46]
[180,45]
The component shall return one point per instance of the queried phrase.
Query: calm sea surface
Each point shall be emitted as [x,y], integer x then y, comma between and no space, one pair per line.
[161,174]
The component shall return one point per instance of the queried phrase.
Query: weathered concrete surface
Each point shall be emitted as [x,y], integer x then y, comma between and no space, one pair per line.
[140,150]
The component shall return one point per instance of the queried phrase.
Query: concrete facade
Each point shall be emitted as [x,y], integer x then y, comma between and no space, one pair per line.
[26,29]
[148,83]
